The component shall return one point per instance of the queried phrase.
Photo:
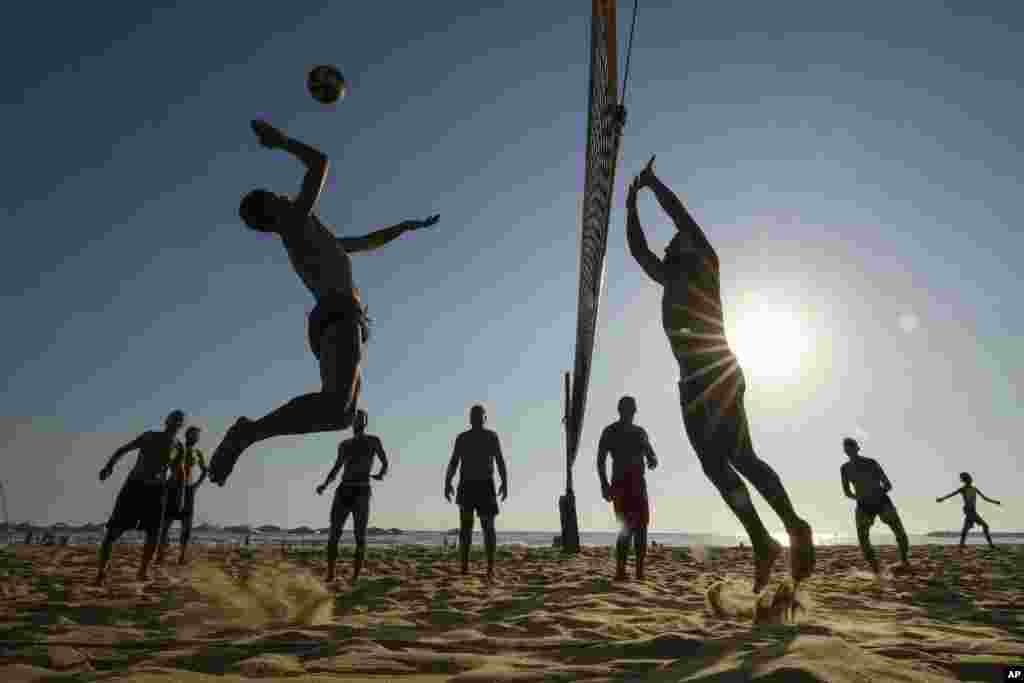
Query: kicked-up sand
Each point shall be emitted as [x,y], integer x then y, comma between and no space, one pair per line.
[243,614]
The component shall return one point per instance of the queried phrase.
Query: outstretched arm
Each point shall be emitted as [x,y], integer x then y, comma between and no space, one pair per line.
[638,243]
[314,160]
[118,454]
[671,205]
[948,495]
[381,237]
[995,502]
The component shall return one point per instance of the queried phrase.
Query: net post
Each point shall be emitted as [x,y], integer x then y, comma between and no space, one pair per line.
[567,502]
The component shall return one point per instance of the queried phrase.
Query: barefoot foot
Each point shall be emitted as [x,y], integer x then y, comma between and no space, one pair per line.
[229,450]
[764,560]
[801,551]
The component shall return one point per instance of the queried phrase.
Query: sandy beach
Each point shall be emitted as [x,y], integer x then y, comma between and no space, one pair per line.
[240,614]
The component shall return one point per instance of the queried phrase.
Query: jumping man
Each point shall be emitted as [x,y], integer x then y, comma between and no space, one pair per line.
[140,504]
[871,491]
[631,450]
[337,325]
[353,494]
[712,385]
[971,517]
[476,452]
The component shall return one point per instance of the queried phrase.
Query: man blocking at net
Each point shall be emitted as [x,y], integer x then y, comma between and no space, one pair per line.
[337,325]
[712,385]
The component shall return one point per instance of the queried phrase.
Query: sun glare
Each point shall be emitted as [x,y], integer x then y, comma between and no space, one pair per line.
[771,342]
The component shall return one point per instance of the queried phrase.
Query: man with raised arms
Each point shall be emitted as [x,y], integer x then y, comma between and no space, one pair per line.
[712,385]
[140,503]
[337,326]
[352,496]
[631,453]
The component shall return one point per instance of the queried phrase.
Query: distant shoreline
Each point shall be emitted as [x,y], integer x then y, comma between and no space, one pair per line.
[273,530]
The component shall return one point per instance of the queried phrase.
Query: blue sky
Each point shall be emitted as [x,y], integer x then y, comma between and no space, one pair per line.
[857,169]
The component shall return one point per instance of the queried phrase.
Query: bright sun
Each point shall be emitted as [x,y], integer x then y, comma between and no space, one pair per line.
[770,342]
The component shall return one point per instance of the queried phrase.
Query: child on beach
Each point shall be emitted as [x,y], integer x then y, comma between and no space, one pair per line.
[971,517]
[353,494]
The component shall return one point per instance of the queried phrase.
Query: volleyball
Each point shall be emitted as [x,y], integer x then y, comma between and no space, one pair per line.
[326,84]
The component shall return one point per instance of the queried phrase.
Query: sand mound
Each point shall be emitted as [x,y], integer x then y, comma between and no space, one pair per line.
[268,594]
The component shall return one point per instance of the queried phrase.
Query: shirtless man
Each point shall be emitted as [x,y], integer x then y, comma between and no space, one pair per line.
[630,449]
[353,494]
[181,493]
[337,325]
[140,504]
[871,491]
[476,452]
[712,385]
[971,517]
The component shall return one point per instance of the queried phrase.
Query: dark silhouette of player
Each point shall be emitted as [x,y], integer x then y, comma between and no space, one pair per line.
[871,491]
[338,323]
[477,450]
[712,384]
[632,454]
[970,494]
[352,496]
[140,503]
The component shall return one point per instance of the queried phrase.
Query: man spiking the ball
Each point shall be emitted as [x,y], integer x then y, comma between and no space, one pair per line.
[338,325]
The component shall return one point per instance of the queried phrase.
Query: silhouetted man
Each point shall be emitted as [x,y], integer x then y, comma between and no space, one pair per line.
[631,451]
[476,452]
[140,504]
[712,385]
[338,323]
[871,491]
[970,494]
[353,494]
[181,493]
